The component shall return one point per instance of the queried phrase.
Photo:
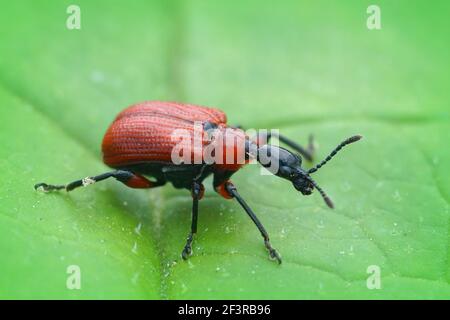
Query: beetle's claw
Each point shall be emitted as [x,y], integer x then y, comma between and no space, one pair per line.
[274,255]
[187,252]
[41,187]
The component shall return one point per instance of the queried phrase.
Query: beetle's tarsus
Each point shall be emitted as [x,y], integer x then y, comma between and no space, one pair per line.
[41,187]
[273,254]
[187,250]
[47,187]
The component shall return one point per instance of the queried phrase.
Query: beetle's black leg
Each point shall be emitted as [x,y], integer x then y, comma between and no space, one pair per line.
[127,177]
[311,145]
[307,153]
[196,192]
[233,192]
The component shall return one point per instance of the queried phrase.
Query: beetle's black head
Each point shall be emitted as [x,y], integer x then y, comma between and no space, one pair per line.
[302,184]
[287,165]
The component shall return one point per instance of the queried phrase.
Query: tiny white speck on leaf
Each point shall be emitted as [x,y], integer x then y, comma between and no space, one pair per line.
[138,228]
[134,250]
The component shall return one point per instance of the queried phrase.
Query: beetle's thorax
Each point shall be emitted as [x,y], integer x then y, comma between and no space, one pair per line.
[230,148]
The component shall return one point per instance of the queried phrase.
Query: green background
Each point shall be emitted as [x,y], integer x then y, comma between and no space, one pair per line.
[300,66]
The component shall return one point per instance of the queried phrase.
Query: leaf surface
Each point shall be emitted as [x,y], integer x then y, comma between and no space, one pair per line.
[299,67]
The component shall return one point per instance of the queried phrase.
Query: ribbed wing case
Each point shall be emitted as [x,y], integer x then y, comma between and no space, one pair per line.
[142,132]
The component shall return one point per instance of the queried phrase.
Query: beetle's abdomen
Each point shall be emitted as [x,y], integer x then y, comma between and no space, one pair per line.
[143,132]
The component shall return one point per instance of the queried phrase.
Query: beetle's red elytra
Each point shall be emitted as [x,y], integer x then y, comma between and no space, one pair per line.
[139,146]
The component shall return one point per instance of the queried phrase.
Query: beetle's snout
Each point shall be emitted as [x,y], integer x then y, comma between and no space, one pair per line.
[304,186]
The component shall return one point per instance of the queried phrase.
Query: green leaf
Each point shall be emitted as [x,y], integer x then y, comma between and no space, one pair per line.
[302,67]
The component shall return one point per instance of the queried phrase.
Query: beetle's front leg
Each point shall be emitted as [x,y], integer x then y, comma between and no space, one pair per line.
[232,191]
[307,153]
[197,193]
[265,136]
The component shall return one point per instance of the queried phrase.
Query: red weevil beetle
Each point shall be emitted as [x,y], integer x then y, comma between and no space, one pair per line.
[138,145]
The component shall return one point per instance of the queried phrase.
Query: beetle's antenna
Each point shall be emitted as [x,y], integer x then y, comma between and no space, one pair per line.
[333,153]
[322,193]
[325,197]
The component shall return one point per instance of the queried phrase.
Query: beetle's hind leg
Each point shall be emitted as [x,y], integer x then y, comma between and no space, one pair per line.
[197,193]
[128,178]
